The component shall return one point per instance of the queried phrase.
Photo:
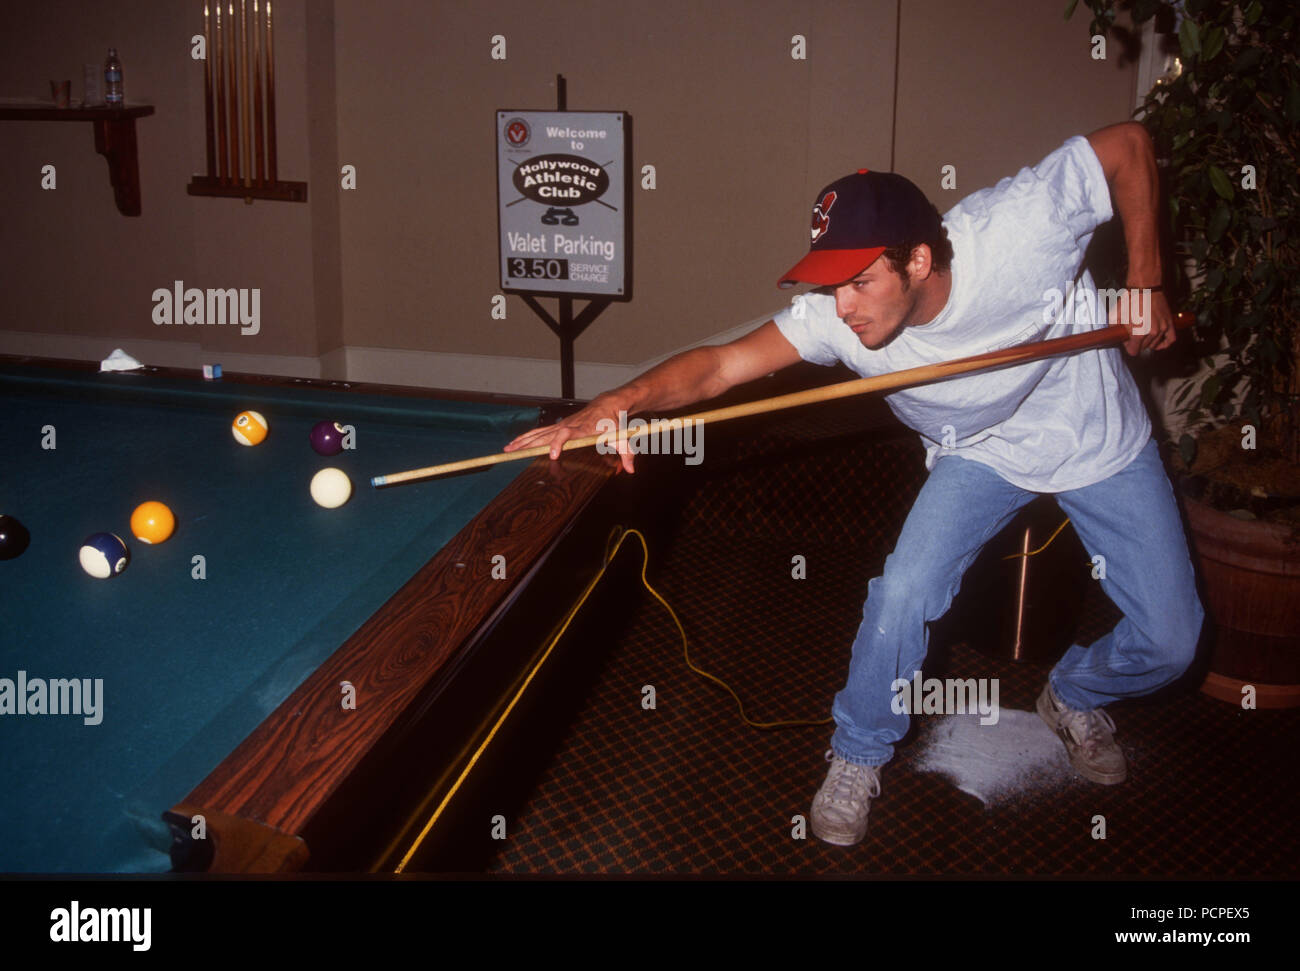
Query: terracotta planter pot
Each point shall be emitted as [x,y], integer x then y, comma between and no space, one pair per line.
[1251,574]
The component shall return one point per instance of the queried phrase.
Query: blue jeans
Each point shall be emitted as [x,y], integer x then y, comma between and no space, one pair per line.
[1130,519]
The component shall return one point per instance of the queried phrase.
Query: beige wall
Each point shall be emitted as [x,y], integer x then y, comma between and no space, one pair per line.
[994,85]
[741,137]
[719,109]
[72,265]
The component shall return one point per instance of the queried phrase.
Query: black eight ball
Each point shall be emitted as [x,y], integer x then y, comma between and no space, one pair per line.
[13,538]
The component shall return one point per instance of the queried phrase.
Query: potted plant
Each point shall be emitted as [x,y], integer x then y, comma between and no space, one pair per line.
[1224,123]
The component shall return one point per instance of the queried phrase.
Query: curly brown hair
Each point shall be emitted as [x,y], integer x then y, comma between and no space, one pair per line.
[940,254]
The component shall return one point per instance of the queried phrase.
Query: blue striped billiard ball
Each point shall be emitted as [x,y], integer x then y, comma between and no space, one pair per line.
[104,555]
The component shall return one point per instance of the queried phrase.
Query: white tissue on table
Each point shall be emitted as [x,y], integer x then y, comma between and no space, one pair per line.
[119,360]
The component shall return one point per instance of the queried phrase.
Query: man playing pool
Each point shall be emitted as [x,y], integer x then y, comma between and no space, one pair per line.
[898,287]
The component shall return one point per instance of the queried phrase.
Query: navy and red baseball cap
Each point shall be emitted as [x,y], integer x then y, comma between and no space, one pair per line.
[857,218]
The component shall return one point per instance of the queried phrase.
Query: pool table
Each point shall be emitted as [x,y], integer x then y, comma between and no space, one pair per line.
[265,670]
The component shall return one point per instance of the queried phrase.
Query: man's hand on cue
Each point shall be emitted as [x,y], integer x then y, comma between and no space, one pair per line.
[1154,330]
[579,424]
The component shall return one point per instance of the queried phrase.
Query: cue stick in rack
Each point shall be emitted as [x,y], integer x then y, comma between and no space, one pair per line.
[270,96]
[1020,354]
[243,89]
[232,113]
[239,93]
[220,95]
[257,93]
[210,135]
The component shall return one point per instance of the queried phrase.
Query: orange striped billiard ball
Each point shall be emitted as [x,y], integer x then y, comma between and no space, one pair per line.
[249,428]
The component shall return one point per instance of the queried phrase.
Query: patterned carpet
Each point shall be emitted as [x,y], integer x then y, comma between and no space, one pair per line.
[688,788]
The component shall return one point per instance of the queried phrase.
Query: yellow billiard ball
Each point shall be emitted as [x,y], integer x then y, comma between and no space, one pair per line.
[152,522]
[249,428]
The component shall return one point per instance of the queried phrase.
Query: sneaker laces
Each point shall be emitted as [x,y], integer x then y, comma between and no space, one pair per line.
[1089,728]
[848,782]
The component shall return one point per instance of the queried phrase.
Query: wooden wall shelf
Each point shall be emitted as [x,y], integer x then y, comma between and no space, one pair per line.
[114,139]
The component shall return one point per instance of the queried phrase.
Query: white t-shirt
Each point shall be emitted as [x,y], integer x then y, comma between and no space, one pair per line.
[1048,425]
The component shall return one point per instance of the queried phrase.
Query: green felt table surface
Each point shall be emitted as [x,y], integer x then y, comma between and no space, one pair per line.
[190,666]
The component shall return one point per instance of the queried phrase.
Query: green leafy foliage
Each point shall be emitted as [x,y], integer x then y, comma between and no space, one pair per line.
[1225,130]
[1220,182]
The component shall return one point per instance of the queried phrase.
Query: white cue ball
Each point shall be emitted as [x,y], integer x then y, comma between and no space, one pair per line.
[331,488]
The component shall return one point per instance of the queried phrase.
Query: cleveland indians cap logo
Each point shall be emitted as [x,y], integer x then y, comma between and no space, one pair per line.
[821,220]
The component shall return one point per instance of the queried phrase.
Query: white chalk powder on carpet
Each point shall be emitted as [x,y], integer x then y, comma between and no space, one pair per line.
[1016,758]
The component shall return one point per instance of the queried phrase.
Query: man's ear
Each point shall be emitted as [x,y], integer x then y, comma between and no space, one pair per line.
[921,263]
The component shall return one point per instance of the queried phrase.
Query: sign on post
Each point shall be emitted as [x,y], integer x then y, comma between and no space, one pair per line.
[561,203]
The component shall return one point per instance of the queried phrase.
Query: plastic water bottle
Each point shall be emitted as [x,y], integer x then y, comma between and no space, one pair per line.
[113,80]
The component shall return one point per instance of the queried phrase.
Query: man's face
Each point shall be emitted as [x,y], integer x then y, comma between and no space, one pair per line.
[875,304]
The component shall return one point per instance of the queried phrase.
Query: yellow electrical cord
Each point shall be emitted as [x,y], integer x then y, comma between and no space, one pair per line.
[1040,549]
[686,655]
[612,545]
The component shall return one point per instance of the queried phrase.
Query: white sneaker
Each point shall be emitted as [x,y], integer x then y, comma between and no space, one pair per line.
[1089,738]
[839,810]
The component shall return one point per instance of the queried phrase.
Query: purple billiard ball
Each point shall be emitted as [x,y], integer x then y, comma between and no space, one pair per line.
[327,437]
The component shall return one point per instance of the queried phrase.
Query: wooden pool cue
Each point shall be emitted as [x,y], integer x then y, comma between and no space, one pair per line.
[232,113]
[270,96]
[207,94]
[1020,354]
[258,150]
[246,145]
[223,168]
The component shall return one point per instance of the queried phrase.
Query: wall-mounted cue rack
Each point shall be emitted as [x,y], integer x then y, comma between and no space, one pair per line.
[239,105]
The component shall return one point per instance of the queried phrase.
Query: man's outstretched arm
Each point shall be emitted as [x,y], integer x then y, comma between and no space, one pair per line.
[1128,160]
[694,375]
